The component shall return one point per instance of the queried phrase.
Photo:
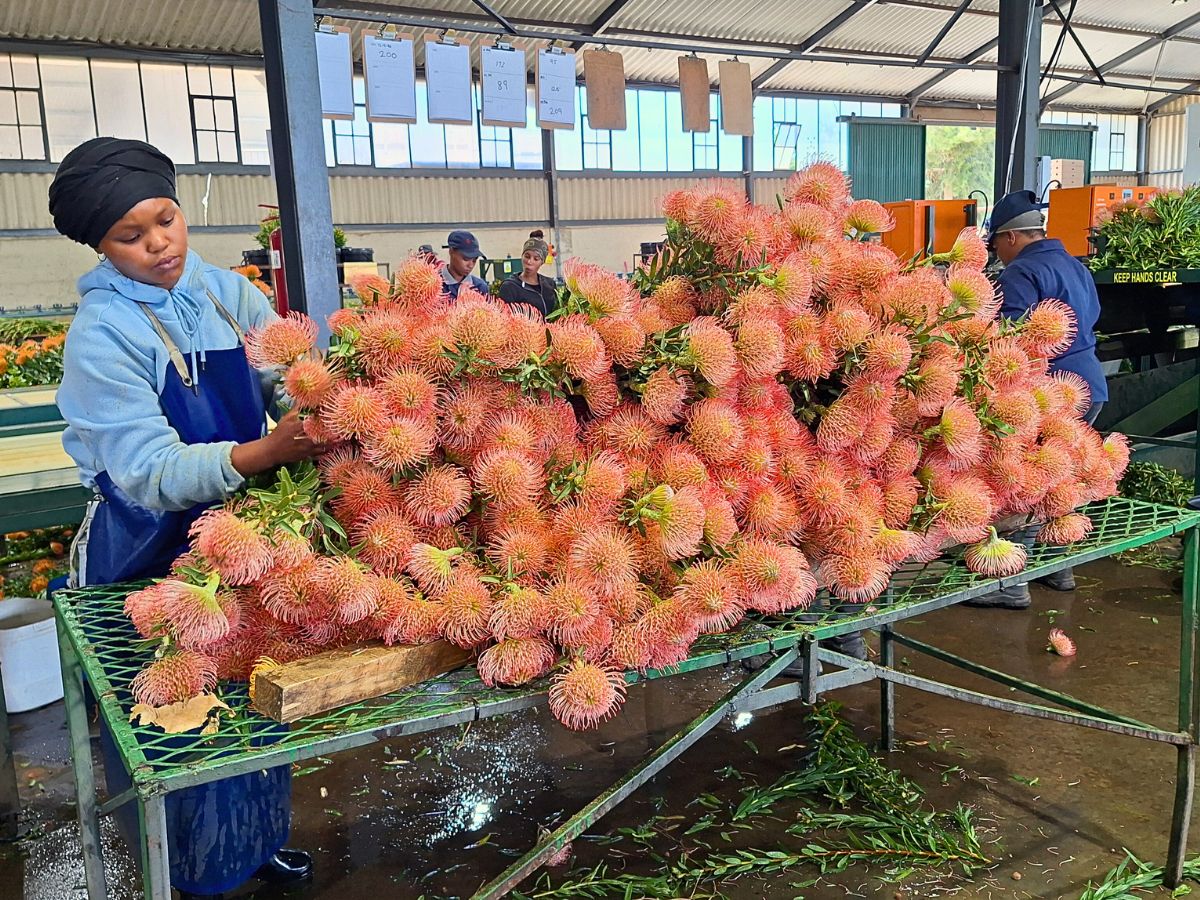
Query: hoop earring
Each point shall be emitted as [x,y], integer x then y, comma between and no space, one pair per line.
[101,257]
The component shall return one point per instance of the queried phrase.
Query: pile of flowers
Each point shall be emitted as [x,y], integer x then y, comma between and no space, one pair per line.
[32,362]
[255,276]
[771,405]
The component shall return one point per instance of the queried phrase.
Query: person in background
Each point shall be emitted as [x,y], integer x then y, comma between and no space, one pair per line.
[165,418]
[464,254]
[425,254]
[538,235]
[528,287]
[1038,268]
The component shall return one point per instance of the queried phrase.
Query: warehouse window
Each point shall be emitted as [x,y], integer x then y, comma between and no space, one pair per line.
[21,133]
[117,89]
[705,153]
[597,145]
[214,113]
[1116,151]
[352,137]
[495,141]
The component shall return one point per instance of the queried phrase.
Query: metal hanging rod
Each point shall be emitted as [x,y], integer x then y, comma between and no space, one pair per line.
[610,41]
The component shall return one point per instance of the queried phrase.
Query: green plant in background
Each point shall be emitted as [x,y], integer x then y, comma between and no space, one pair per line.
[14,331]
[850,809]
[1155,483]
[271,224]
[1162,234]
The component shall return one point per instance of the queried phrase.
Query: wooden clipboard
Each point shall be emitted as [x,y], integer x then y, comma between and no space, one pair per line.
[484,118]
[367,77]
[446,41]
[694,89]
[537,81]
[604,81]
[737,98]
[341,29]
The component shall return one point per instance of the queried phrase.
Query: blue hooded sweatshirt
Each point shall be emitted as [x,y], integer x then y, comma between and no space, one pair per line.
[114,370]
[1045,270]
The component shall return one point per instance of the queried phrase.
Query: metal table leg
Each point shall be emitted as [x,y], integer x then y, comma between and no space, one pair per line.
[652,765]
[10,799]
[887,690]
[156,862]
[1189,710]
[81,763]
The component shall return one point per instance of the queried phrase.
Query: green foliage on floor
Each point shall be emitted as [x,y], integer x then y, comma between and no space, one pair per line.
[846,808]
[1134,879]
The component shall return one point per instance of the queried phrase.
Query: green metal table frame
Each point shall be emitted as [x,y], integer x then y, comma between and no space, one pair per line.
[95,638]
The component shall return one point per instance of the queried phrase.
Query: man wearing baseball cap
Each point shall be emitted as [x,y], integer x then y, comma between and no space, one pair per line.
[464,251]
[1038,268]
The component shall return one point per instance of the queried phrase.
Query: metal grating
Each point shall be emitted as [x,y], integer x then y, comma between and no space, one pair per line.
[111,653]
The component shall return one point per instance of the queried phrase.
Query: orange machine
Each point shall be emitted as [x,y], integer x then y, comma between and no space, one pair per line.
[928,226]
[1075,211]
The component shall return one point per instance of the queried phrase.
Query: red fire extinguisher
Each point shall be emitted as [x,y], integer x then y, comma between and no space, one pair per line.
[278,278]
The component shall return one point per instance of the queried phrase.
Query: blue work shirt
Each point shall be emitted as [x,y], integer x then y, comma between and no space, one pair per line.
[1043,271]
[451,287]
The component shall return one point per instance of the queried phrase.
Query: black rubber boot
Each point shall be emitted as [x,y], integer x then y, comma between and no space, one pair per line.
[851,644]
[286,866]
[1006,598]
[1059,581]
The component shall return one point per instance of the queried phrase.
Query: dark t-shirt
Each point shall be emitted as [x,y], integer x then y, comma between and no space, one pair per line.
[543,297]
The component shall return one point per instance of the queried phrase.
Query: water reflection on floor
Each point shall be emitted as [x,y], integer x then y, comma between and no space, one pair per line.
[440,814]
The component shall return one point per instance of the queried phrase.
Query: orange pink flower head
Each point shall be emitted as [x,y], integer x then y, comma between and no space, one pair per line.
[281,341]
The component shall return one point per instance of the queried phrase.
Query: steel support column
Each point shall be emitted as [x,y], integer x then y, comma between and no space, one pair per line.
[10,799]
[298,151]
[550,169]
[1019,51]
[1143,150]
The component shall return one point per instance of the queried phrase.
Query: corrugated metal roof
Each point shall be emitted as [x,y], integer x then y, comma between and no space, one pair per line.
[890,27]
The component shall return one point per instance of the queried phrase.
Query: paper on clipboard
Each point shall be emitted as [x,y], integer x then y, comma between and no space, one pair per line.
[502,83]
[448,81]
[391,79]
[556,89]
[335,72]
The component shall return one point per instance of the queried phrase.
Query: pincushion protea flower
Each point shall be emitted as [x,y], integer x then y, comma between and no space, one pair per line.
[516,661]
[281,341]
[584,694]
[867,217]
[1067,529]
[995,556]
[232,546]
[821,183]
[176,676]
[308,382]
[1059,643]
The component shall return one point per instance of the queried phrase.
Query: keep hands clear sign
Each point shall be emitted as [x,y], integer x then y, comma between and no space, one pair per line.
[556,88]
[502,73]
[391,79]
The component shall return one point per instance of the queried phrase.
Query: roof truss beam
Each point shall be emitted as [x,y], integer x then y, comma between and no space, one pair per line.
[945,30]
[1130,54]
[813,40]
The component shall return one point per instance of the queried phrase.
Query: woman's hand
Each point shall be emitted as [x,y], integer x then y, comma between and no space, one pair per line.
[286,444]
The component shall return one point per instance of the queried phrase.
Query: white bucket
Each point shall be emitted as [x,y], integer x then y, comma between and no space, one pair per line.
[29,654]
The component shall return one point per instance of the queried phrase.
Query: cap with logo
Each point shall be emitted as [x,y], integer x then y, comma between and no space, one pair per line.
[465,243]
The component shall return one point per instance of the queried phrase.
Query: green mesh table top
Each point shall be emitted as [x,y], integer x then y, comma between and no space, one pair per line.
[101,637]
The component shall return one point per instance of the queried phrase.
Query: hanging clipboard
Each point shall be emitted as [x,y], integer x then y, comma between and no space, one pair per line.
[604,80]
[335,71]
[737,98]
[502,74]
[391,78]
[694,93]
[554,75]
[448,81]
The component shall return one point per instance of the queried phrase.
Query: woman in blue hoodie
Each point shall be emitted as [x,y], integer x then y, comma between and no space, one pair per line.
[166,417]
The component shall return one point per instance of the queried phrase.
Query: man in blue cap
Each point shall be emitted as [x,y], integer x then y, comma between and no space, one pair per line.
[464,251]
[1038,268]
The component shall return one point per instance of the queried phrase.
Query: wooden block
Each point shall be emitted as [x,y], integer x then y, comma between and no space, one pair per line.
[347,675]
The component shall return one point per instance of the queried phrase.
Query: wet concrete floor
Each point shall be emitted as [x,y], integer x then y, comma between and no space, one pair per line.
[437,815]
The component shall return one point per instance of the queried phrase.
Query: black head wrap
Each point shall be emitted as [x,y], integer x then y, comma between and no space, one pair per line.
[101,180]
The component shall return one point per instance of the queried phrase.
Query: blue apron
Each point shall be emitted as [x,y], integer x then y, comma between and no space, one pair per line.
[218,833]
